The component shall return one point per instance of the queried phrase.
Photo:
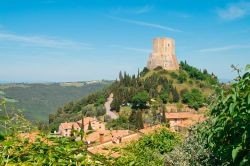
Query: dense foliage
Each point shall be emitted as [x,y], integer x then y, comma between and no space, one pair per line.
[198,74]
[61,152]
[193,151]
[223,139]
[193,98]
[148,150]
[229,133]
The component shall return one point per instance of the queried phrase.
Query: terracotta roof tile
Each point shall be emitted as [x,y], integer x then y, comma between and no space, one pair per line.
[68,125]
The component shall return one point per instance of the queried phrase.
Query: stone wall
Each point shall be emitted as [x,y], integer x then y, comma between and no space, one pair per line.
[163,54]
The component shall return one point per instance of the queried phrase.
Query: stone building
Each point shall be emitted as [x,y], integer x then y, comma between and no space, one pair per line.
[65,129]
[163,54]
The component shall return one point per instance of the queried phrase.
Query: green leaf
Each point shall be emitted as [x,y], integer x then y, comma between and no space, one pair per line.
[248,98]
[231,108]
[3,118]
[247,67]
[236,151]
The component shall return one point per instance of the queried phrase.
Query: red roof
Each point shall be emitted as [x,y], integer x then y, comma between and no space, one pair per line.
[69,125]
[86,120]
[184,115]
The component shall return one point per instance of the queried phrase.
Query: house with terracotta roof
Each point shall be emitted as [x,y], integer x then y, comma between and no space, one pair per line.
[95,124]
[183,119]
[65,129]
[117,138]
[102,136]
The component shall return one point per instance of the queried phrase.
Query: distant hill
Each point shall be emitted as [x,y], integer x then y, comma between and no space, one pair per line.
[41,99]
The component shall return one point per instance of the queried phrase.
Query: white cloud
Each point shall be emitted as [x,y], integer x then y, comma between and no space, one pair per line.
[42,41]
[234,11]
[146,24]
[224,48]
[143,50]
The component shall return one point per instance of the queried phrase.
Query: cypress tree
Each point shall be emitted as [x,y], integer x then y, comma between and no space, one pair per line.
[164,120]
[90,127]
[132,117]
[139,122]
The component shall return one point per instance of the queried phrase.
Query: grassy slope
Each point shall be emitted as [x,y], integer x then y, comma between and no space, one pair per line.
[39,100]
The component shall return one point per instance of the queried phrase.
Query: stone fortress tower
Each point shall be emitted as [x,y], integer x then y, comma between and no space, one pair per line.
[163,54]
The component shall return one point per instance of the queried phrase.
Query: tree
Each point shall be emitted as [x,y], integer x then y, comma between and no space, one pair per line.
[89,126]
[100,111]
[164,120]
[101,100]
[176,96]
[182,77]
[139,121]
[194,99]
[115,105]
[139,101]
[72,132]
[164,97]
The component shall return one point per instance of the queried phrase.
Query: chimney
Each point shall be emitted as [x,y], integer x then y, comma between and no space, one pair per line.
[101,137]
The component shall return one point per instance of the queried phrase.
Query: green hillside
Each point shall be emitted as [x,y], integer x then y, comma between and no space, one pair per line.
[188,86]
[39,100]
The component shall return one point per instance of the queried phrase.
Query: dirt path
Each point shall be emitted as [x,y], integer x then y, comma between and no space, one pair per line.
[107,107]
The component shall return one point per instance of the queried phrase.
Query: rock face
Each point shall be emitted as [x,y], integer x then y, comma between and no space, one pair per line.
[163,54]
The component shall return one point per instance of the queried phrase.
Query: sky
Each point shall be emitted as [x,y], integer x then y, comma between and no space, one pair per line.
[80,40]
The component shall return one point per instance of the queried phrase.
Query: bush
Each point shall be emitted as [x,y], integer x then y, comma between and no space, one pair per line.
[229,134]
[101,100]
[193,151]
[194,99]
[182,77]
[100,111]
[150,149]
[173,75]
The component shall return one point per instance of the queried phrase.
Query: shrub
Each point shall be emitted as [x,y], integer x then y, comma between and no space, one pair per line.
[173,75]
[150,149]
[193,151]
[229,134]
[194,99]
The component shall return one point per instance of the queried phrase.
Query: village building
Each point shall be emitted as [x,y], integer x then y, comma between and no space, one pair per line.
[93,123]
[107,135]
[66,129]
[89,123]
[180,120]
[119,138]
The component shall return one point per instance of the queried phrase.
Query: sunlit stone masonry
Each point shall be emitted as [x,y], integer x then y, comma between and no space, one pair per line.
[163,54]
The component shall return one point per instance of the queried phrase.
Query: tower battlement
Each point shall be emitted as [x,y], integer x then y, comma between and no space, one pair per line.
[163,54]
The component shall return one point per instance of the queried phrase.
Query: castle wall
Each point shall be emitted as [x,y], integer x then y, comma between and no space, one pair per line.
[163,54]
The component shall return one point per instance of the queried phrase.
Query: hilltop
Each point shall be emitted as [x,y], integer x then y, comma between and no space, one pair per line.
[38,100]
[187,87]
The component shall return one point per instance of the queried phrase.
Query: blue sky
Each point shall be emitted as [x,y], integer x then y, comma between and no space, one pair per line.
[75,40]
